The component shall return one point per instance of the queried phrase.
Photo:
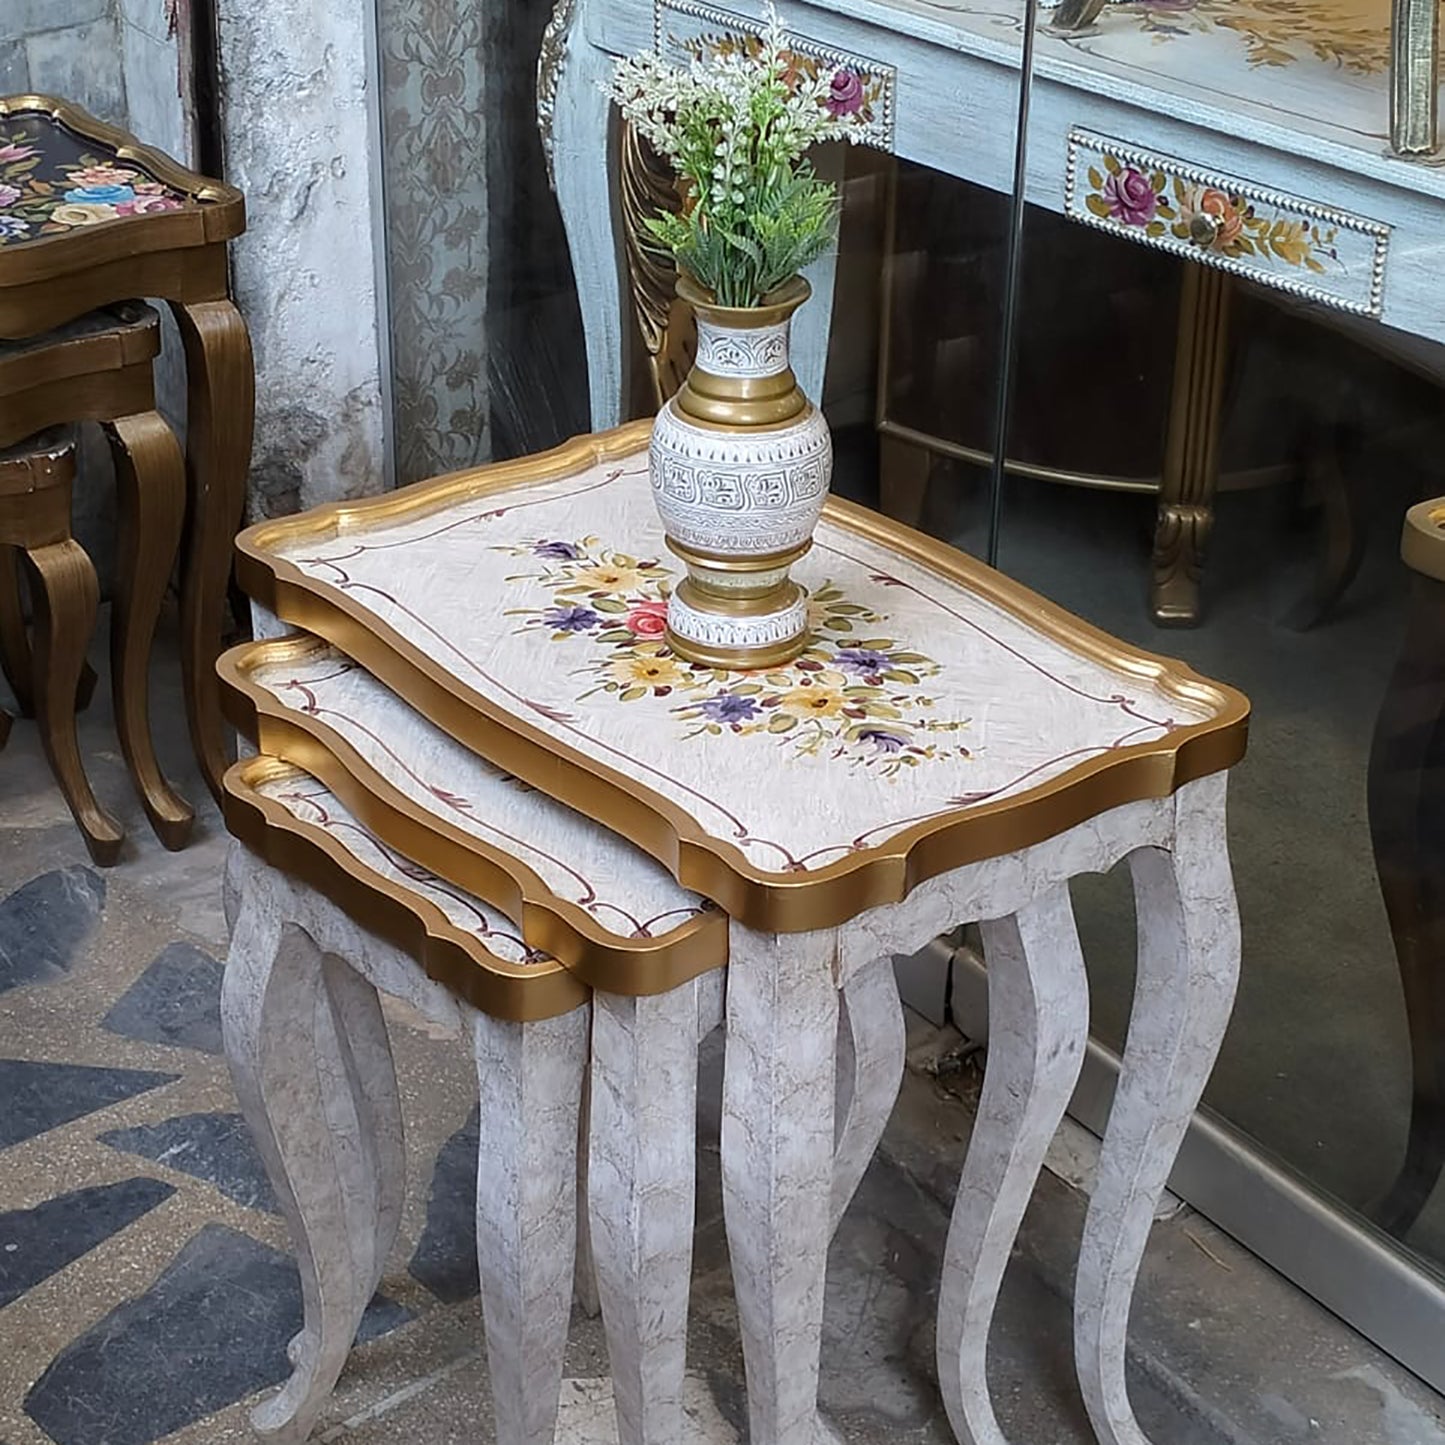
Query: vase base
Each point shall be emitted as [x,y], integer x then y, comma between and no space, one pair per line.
[740,641]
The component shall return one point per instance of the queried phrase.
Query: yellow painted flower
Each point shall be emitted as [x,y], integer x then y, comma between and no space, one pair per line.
[645,669]
[83,213]
[812,699]
[603,578]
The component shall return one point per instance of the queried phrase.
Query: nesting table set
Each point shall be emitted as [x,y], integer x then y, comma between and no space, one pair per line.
[485,785]
[89,219]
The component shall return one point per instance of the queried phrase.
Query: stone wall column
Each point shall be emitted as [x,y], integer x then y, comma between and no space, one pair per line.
[295,82]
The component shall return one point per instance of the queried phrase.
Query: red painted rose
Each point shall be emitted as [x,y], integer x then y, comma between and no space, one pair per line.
[647,619]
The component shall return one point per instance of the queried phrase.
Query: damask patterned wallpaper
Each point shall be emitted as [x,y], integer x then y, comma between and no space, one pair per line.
[434,61]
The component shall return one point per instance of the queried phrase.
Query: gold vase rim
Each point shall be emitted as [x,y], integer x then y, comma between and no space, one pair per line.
[739,561]
[776,306]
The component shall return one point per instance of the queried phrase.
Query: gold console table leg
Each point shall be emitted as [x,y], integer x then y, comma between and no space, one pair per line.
[1191,452]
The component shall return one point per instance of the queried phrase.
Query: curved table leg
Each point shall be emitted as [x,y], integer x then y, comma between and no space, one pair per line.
[777,1167]
[530,1078]
[871,1051]
[221,406]
[151,484]
[1038,1003]
[641,1179]
[66,595]
[312,1069]
[1188,969]
[1406,791]
[15,659]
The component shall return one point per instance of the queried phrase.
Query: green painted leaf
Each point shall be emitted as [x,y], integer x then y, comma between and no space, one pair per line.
[609,605]
[781,722]
[1097,205]
[631,694]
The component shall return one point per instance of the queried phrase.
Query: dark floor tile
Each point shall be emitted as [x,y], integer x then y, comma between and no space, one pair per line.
[37,1243]
[36,1097]
[44,923]
[210,1331]
[177,1000]
[446,1255]
[213,1147]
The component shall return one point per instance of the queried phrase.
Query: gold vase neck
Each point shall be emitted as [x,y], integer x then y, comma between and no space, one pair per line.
[746,402]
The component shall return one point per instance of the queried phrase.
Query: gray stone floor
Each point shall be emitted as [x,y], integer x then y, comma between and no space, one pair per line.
[146,1289]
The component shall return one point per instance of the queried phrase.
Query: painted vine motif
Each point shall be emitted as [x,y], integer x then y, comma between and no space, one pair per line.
[1351,35]
[43,195]
[853,695]
[1161,205]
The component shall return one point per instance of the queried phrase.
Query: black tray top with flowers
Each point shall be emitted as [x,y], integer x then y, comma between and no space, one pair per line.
[61,169]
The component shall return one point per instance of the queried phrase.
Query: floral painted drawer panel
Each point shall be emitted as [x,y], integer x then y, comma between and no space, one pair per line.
[574,889]
[941,713]
[1282,241]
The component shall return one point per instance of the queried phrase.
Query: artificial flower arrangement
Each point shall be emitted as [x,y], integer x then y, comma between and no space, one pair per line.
[736,124]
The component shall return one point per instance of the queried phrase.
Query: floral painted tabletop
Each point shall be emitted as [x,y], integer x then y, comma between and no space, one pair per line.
[53,180]
[919,697]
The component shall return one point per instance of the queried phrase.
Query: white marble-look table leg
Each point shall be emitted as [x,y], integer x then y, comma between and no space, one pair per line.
[777,1168]
[530,1081]
[1189,951]
[312,1067]
[1038,1001]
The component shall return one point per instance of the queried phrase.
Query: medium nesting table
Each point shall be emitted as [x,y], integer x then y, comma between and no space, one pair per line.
[950,748]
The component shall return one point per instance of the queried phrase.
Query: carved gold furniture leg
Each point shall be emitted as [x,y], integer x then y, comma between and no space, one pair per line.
[35,485]
[1191,456]
[221,389]
[1406,783]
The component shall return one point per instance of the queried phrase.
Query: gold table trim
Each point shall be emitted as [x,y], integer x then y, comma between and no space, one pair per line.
[596,954]
[782,902]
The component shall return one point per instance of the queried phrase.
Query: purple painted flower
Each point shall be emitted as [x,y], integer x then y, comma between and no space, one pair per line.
[729,707]
[883,740]
[12,226]
[571,619]
[1130,197]
[845,92]
[862,660]
[8,195]
[558,551]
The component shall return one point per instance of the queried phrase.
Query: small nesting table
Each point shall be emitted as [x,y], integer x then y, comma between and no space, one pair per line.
[90,216]
[951,748]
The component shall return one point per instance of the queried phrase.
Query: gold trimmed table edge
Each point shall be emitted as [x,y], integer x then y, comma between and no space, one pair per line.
[519,992]
[785,903]
[596,954]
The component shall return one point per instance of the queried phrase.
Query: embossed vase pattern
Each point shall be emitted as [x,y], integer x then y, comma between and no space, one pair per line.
[740,464]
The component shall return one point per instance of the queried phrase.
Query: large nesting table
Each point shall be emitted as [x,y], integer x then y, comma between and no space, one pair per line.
[951,747]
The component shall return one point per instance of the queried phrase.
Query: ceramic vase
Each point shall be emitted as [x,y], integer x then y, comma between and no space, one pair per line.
[740,462]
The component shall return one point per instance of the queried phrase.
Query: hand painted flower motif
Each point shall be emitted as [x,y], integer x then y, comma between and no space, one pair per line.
[1130,197]
[13,227]
[100,195]
[655,670]
[853,698]
[730,707]
[11,152]
[845,92]
[648,619]
[1228,223]
[9,195]
[571,619]
[148,205]
[102,176]
[79,214]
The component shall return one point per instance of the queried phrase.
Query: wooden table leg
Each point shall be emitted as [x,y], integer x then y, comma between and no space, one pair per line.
[1038,1004]
[15,642]
[307,1046]
[220,381]
[1187,972]
[151,486]
[66,595]
[1406,793]
[530,1078]
[1191,453]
